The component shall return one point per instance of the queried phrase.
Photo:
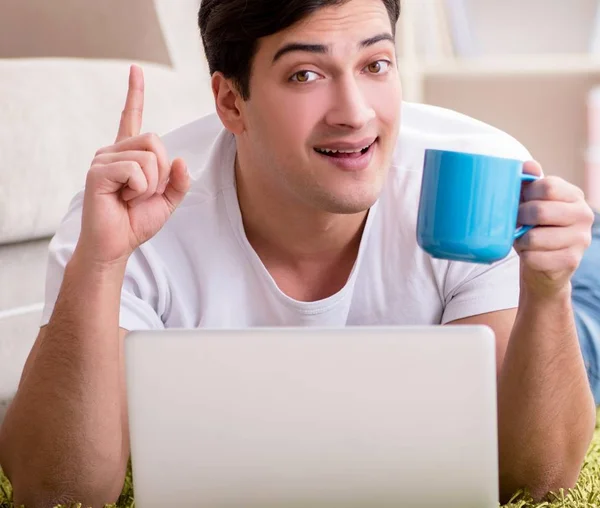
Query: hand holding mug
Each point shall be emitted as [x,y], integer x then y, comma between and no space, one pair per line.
[551,252]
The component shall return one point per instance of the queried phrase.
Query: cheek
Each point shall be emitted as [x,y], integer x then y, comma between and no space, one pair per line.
[385,99]
[292,116]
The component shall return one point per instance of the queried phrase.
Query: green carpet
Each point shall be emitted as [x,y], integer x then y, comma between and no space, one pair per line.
[586,494]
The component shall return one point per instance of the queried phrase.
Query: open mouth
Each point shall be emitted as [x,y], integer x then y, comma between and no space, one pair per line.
[345,154]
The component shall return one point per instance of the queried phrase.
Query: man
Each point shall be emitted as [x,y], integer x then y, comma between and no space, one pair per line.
[303,213]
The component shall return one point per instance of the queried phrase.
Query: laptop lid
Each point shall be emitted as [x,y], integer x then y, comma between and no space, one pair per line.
[279,417]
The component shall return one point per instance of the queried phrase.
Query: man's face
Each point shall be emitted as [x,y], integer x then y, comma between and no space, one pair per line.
[330,82]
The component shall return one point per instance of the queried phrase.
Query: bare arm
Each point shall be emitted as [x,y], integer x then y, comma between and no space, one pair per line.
[546,414]
[65,433]
[547,410]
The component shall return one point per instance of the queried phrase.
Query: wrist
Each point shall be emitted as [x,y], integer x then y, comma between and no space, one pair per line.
[534,285]
[85,265]
[545,296]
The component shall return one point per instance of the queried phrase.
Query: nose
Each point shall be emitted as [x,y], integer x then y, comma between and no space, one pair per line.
[350,108]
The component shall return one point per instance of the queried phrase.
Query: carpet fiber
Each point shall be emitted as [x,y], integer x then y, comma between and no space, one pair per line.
[586,494]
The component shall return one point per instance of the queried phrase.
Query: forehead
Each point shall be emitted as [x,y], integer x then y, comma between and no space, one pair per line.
[336,25]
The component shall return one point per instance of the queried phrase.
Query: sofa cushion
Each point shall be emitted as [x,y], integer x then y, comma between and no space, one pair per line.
[56,112]
[23,273]
[17,335]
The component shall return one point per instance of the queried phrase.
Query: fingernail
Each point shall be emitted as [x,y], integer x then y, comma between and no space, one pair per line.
[163,187]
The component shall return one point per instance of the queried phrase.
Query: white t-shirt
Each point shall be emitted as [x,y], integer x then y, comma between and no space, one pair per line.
[201,271]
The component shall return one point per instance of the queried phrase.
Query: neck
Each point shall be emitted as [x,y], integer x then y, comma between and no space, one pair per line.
[285,228]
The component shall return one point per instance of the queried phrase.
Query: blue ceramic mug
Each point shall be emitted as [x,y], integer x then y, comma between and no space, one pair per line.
[468,206]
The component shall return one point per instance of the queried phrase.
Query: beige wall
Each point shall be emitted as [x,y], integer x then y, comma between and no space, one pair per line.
[547,113]
[114,29]
[531,26]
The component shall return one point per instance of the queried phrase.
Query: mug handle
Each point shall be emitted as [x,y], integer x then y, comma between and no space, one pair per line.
[523,229]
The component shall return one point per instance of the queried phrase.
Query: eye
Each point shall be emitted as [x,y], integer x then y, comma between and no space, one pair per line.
[379,67]
[304,77]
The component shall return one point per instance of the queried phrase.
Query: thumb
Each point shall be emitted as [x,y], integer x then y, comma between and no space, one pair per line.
[179,184]
[533,168]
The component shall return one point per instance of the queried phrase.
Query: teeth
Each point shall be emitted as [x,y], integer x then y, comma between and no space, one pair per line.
[328,150]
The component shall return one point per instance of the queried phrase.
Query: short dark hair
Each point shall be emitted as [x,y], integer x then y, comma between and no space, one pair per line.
[230,30]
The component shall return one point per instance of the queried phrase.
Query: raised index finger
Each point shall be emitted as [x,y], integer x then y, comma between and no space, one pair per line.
[131,117]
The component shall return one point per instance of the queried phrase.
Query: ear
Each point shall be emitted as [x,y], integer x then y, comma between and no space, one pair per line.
[228,102]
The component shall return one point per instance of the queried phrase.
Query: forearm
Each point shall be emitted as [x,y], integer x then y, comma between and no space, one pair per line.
[546,410]
[64,427]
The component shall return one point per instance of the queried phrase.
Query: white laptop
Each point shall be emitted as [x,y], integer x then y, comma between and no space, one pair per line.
[314,418]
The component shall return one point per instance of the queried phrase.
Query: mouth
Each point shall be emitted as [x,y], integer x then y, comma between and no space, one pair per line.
[346,153]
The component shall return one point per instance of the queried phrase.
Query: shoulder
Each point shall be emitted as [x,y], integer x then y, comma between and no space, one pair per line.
[422,127]
[193,141]
[425,126]
[208,150]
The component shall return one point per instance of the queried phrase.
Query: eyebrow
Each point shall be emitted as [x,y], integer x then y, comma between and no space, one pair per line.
[378,38]
[322,49]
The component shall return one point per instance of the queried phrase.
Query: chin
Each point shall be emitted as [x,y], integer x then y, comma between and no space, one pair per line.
[350,204]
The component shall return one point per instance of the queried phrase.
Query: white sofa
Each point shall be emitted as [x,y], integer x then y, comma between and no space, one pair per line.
[63,80]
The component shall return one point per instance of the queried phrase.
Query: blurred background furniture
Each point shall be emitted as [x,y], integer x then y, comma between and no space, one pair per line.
[525,66]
